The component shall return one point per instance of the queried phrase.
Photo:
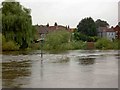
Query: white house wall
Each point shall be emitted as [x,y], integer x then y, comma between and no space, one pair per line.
[110,35]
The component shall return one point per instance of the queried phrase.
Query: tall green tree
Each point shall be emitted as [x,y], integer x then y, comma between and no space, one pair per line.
[55,24]
[87,27]
[17,23]
[101,23]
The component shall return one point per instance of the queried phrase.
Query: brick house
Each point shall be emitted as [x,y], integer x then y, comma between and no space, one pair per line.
[101,31]
[42,30]
[117,30]
[110,33]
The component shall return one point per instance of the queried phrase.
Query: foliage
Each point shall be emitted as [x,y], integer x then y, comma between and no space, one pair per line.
[101,23]
[104,44]
[17,24]
[35,46]
[78,45]
[116,45]
[0,42]
[0,21]
[79,36]
[59,41]
[55,24]
[9,45]
[0,38]
[87,27]
[56,39]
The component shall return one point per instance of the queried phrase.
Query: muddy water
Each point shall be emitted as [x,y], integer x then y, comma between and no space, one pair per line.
[73,69]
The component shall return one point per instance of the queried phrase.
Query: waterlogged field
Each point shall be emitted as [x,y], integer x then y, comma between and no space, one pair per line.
[73,69]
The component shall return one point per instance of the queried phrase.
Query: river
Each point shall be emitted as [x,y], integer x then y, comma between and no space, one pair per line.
[73,69]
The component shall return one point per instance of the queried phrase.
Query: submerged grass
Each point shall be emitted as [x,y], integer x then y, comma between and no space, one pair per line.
[14,69]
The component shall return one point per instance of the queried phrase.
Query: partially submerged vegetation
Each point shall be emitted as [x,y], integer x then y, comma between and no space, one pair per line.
[59,41]
[105,44]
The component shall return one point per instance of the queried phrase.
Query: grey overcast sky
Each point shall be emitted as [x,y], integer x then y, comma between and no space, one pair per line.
[70,12]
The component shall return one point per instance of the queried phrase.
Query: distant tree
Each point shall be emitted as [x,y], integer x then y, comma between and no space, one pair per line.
[101,23]
[68,27]
[47,25]
[55,24]
[17,23]
[87,27]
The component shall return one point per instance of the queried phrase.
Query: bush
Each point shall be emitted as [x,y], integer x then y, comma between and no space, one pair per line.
[80,36]
[116,44]
[35,46]
[78,45]
[56,40]
[104,44]
[59,41]
[9,45]
[0,42]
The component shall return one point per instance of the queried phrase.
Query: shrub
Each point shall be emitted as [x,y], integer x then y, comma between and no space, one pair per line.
[9,45]
[104,44]
[56,40]
[116,44]
[80,36]
[0,42]
[78,45]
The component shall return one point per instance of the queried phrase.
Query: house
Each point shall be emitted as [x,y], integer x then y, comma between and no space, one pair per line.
[42,30]
[110,33]
[105,32]
[117,30]
[101,31]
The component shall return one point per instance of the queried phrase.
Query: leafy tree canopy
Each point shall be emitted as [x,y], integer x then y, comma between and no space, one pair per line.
[17,23]
[55,24]
[87,26]
[101,23]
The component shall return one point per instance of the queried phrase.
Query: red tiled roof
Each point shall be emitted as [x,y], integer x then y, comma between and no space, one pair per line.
[117,28]
[110,30]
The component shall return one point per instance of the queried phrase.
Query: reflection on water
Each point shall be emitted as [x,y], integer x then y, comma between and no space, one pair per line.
[87,61]
[63,59]
[13,70]
[16,52]
[76,69]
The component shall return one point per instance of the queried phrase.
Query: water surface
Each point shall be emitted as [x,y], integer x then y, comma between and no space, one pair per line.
[73,69]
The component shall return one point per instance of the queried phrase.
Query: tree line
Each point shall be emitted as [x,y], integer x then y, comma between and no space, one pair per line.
[87,29]
[18,31]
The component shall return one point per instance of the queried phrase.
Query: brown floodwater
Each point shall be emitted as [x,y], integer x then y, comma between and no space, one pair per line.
[73,69]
